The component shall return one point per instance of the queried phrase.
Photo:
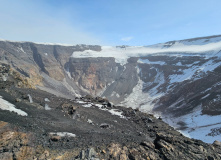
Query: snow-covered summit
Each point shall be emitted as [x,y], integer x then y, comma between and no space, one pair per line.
[192,41]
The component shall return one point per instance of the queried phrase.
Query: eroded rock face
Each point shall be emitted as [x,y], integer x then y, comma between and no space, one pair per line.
[49,59]
[9,77]
[93,74]
[103,76]
[43,64]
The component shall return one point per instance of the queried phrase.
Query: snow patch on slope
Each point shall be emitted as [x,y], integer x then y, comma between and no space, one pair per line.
[144,100]
[194,70]
[21,49]
[30,98]
[47,108]
[198,125]
[151,62]
[5,105]
[117,113]
[63,134]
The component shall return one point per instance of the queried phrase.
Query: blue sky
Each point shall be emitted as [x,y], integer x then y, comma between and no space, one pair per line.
[108,22]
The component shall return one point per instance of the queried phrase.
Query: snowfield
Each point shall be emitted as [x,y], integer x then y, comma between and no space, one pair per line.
[199,126]
[122,54]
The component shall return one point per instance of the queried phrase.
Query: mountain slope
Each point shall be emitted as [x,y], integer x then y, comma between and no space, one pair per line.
[177,80]
[38,125]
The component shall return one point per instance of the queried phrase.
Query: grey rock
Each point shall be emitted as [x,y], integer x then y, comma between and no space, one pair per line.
[217,143]
[89,154]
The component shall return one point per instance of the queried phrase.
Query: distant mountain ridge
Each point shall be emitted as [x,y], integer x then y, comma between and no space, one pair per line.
[177,80]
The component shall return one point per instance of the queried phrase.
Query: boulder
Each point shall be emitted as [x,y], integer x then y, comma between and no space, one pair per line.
[104,125]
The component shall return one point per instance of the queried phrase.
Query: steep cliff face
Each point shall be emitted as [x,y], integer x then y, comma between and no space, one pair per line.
[43,64]
[177,80]
[93,74]
[105,77]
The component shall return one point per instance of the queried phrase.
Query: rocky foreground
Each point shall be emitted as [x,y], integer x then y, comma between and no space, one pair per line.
[43,126]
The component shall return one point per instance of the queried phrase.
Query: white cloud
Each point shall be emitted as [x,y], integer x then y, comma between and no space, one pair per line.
[121,55]
[126,39]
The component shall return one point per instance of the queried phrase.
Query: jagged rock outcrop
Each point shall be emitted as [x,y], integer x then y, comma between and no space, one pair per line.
[8,77]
